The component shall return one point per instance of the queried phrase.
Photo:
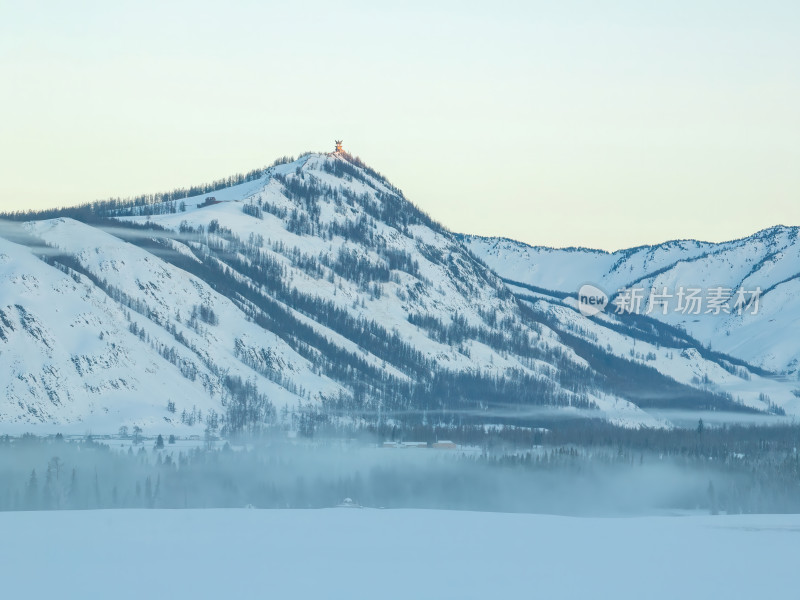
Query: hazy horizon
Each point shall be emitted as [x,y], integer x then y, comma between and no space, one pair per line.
[558,125]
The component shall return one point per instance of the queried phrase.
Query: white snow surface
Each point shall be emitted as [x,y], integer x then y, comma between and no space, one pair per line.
[350,554]
[68,351]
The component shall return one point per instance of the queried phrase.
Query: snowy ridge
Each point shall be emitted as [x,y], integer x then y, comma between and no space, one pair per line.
[319,287]
[769,260]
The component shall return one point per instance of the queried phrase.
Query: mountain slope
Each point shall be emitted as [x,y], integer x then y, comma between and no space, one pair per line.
[313,294]
[66,349]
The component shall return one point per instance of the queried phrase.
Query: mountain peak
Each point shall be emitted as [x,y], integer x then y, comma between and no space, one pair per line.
[314,285]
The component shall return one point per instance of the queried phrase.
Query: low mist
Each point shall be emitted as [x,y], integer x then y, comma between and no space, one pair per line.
[53,473]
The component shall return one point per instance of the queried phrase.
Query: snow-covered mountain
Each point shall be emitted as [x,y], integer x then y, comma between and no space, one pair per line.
[315,287]
[765,335]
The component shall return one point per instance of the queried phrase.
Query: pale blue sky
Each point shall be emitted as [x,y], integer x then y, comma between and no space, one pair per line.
[604,124]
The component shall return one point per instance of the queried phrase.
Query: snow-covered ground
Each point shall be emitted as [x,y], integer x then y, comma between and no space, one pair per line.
[352,554]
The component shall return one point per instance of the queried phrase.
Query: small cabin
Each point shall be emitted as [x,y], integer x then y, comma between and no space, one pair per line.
[208,202]
[445,445]
[415,444]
